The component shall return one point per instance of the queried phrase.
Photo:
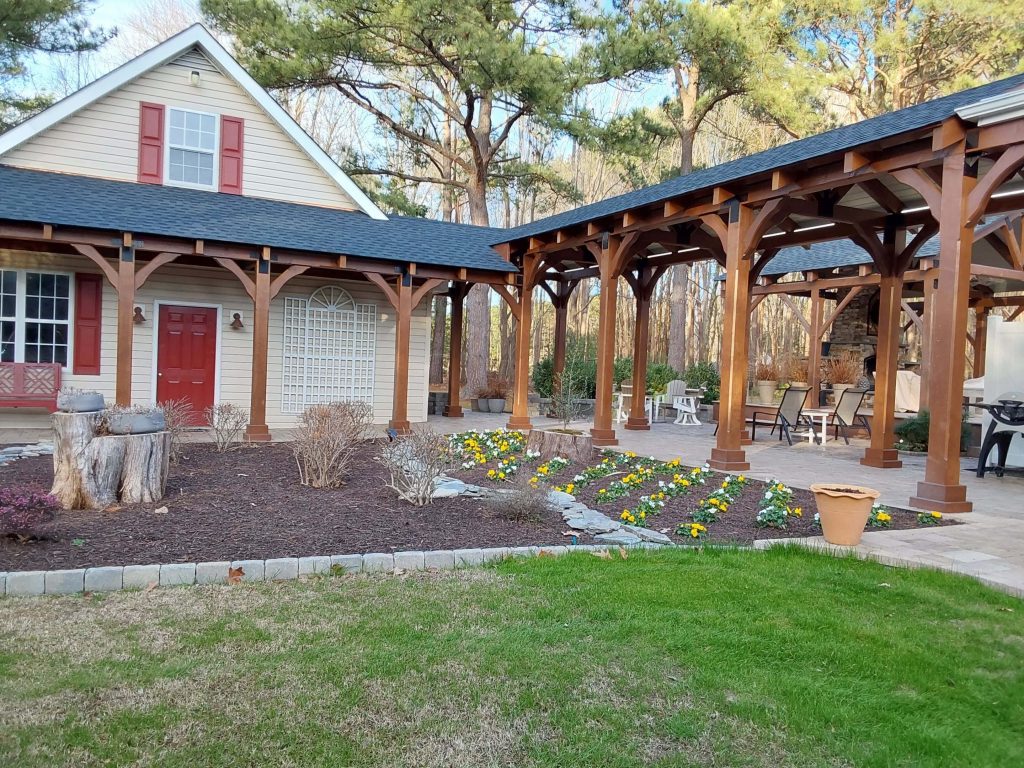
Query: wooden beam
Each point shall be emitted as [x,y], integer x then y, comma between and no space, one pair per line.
[247,282]
[787,300]
[458,298]
[125,325]
[257,429]
[840,307]
[1006,166]
[423,290]
[881,194]
[390,293]
[142,273]
[854,161]
[506,294]
[923,184]
[981,270]
[281,280]
[403,329]
[90,252]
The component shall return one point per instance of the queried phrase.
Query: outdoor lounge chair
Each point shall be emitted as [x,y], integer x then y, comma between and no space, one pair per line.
[847,415]
[786,419]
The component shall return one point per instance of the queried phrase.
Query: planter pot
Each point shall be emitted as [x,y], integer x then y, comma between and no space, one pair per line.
[496,404]
[480,405]
[798,384]
[86,402]
[843,511]
[766,391]
[135,423]
[838,390]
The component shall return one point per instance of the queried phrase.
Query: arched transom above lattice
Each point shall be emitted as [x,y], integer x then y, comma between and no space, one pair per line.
[332,298]
[329,349]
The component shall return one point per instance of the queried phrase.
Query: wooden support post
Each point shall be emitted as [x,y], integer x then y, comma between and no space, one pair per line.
[520,418]
[603,432]
[125,322]
[814,346]
[980,340]
[257,430]
[403,327]
[941,489]
[458,296]
[931,280]
[561,329]
[728,454]
[881,453]
[638,418]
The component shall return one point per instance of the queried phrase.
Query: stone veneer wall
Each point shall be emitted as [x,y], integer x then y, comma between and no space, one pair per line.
[850,331]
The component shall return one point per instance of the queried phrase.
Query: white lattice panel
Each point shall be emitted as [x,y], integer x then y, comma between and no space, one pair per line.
[329,350]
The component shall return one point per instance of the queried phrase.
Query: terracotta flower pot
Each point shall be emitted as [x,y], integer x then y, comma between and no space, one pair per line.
[843,511]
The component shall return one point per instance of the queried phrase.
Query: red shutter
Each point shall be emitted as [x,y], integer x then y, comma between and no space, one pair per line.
[88,322]
[232,139]
[151,143]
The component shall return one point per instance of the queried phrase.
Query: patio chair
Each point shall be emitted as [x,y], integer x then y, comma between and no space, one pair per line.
[623,402]
[666,402]
[787,418]
[847,415]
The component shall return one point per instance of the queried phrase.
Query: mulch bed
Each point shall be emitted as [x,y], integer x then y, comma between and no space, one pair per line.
[737,526]
[248,503]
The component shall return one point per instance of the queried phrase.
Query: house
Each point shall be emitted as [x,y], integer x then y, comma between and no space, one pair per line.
[170,232]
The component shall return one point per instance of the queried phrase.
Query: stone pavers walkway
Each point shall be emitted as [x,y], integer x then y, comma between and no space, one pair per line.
[989,546]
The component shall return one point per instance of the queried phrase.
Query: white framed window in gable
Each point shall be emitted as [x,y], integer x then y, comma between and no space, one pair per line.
[35,316]
[192,148]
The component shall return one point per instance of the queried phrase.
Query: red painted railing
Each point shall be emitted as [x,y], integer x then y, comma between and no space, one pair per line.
[29,385]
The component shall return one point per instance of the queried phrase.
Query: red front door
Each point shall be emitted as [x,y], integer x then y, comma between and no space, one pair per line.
[186,358]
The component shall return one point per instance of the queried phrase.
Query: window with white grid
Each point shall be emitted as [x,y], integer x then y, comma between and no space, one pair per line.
[35,317]
[329,349]
[191,147]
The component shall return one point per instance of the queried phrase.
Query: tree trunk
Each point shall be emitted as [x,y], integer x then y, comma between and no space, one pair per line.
[89,471]
[677,317]
[437,340]
[577,448]
[146,460]
[478,306]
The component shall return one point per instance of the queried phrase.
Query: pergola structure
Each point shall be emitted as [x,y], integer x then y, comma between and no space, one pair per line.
[889,184]
[841,271]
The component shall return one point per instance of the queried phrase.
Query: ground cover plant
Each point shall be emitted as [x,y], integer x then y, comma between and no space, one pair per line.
[676,658]
[663,495]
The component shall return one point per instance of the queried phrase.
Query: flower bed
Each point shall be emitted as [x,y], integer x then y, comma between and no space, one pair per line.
[690,505]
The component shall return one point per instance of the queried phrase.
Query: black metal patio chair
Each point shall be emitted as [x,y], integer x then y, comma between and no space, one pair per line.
[847,414]
[787,418]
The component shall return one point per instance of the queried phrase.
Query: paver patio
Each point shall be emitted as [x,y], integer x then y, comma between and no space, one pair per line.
[989,546]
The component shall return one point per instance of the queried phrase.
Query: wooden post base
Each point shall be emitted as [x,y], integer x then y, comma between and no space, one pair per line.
[520,423]
[604,437]
[401,427]
[728,461]
[947,499]
[883,458]
[257,433]
[642,424]
[453,411]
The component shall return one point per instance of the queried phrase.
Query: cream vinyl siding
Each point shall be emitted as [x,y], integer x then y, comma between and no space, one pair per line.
[215,287]
[103,139]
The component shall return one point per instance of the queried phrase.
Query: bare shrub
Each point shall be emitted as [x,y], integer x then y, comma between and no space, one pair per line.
[227,421]
[178,416]
[327,439]
[523,503]
[415,462]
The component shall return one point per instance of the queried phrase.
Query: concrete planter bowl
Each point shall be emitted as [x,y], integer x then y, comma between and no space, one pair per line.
[496,404]
[80,402]
[135,423]
[843,511]
[766,391]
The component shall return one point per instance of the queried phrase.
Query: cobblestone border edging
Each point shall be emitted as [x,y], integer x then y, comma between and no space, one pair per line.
[118,577]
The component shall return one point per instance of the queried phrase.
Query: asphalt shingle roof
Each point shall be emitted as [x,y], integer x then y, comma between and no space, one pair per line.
[150,209]
[837,140]
[830,255]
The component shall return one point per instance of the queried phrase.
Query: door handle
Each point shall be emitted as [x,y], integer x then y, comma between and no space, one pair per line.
[160,374]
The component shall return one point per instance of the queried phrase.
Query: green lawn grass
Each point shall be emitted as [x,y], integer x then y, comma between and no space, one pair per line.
[725,658]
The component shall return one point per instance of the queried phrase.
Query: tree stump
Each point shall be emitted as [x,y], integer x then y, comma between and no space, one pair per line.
[91,472]
[549,443]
